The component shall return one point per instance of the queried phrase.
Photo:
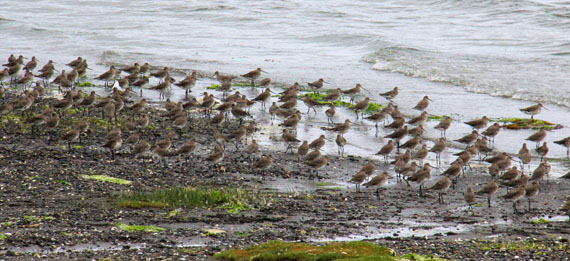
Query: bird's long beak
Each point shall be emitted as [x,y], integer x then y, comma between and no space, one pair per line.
[429,99]
[545,108]
[264,71]
[365,89]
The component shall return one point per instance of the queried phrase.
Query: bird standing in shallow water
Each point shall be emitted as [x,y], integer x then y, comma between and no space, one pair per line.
[253,75]
[533,110]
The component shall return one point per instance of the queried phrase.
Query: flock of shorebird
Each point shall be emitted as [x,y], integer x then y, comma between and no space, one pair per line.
[408,166]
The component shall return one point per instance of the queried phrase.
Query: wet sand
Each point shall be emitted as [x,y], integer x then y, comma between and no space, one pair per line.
[50,210]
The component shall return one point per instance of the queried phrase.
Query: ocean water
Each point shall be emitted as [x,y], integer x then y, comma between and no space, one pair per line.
[473,58]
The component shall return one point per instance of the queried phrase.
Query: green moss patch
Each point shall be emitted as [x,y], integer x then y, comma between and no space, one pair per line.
[512,246]
[4,236]
[372,107]
[436,117]
[540,221]
[243,84]
[86,84]
[213,87]
[231,199]
[280,250]
[133,228]
[524,123]
[104,178]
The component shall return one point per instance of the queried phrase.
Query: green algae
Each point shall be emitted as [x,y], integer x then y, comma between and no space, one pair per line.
[133,228]
[104,178]
[525,123]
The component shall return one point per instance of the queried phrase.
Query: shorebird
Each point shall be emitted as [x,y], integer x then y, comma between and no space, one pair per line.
[489,190]
[161,74]
[140,148]
[26,80]
[252,149]
[340,142]
[341,128]
[219,138]
[389,95]
[253,75]
[263,164]
[237,135]
[566,143]
[353,92]
[217,120]
[263,97]
[530,191]
[540,171]
[224,78]
[133,69]
[333,96]
[525,157]
[377,117]
[310,103]
[453,170]
[75,62]
[398,135]
[318,143]
[515,195]
[421,176]
[312,155]
[443,125]
[217,156]
[188,83]
[13,72]
[289,104]
[357,179]
[542,150]
[106,76]
[161,87]
[469,197]
[533,110]
[510,175]
[397,123]
[133,139]
[4,75]
[114,142]
[419,120]
[303,149]
[537,136]
[438,148]
[423,104]
[317,84]
[140,83]
[180,122]
[378,181]
[421,154]
[492,131]
[71,136]
[265,82]
[318,163]
[289,138]
[330,112]
[386,150]
[47,66]
[412,143]
[239,113]
[292,121]
[441,186]
[468,139]
[31,65]
[361,106]
[478,124]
